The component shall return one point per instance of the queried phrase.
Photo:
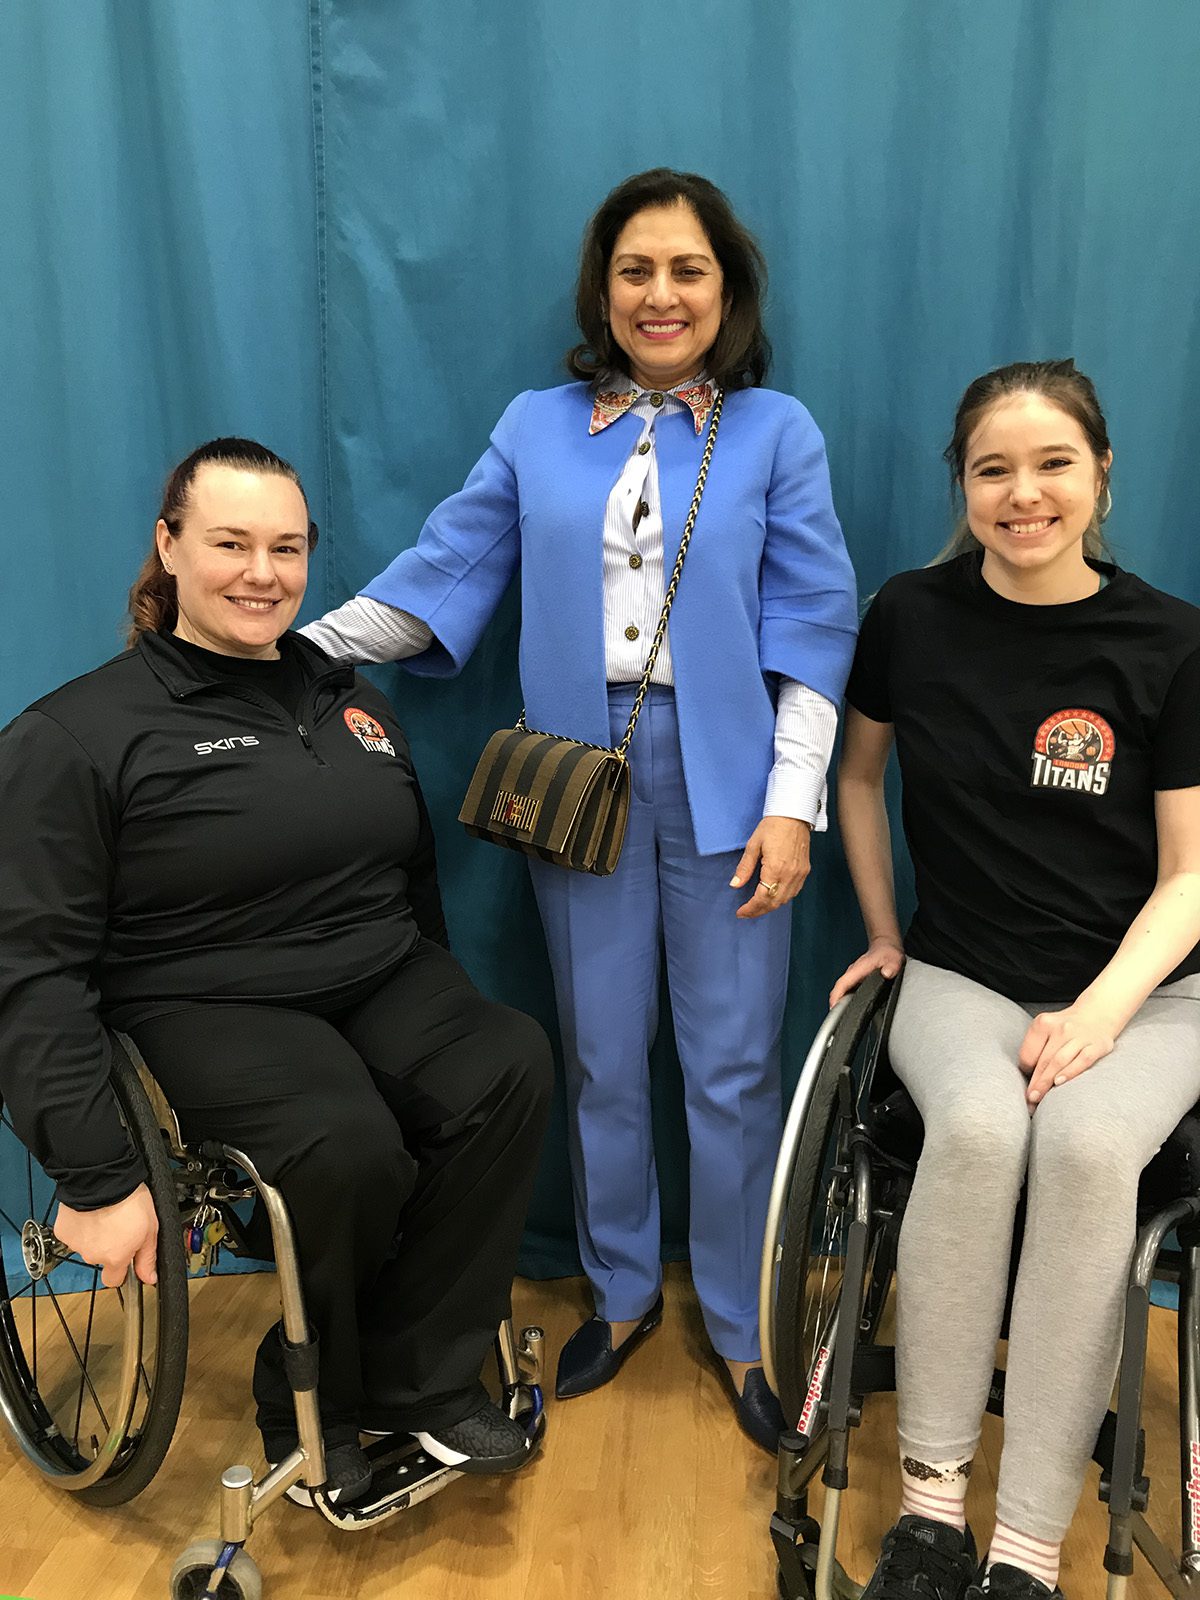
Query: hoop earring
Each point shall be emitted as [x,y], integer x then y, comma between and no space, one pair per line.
[1104,504]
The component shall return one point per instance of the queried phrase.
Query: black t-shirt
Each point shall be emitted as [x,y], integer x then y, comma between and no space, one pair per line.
[1031,742]
[282,680]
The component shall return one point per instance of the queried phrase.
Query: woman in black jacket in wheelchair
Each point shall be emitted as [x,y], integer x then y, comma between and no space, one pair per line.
[217,844]
[1044,709]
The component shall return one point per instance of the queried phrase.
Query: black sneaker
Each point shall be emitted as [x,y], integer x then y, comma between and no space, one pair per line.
[347,1477]
[486,1441]
[923,1560]
[1011,1583]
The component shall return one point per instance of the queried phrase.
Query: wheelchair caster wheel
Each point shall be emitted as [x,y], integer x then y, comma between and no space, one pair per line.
[241,1580]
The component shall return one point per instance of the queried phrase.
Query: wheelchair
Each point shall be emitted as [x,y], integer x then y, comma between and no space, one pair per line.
[91,1381]
[845,1169]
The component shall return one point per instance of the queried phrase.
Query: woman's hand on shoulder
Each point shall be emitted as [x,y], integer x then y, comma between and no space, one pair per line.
[1061,1045]
[883,955]
[778,849]
[113,1236]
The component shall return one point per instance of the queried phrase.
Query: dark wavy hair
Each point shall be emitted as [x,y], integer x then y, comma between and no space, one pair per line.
[1061,384]
[153,606]
[741,355]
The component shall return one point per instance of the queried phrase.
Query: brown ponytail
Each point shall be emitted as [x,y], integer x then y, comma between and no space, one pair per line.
[153,607]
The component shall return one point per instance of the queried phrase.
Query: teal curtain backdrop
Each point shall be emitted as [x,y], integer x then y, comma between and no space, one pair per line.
[351,229]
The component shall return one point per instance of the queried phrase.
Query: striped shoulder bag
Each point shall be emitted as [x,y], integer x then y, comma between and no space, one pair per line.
[560,799]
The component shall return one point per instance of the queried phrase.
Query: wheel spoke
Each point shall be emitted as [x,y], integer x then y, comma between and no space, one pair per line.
[87,1346]
[29,1176]
[144,1382]
[819,1302]
[10,1222]
[82,1368]
[143,1377]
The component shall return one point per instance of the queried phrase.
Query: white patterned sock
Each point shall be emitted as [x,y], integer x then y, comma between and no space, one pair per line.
[934,1489]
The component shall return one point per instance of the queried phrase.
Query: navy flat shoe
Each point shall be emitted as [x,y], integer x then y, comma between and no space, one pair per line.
[759,1413]
[588,1361]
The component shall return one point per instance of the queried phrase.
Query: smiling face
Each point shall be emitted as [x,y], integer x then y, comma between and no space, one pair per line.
[240,560]
[1031,483]
[665,290]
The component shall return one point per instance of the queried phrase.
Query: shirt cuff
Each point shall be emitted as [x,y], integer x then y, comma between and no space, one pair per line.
[791,794]
[367,630]
[805,728]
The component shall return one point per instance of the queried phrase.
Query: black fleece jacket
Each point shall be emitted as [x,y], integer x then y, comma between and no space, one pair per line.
[167,835]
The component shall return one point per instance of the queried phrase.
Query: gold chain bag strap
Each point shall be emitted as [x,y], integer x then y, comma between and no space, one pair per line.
[560,799]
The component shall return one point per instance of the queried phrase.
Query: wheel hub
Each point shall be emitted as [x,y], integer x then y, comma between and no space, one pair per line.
[41,1250]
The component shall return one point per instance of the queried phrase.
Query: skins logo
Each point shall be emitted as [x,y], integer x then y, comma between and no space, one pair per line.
[368,732]
[234,742]
[1073,750]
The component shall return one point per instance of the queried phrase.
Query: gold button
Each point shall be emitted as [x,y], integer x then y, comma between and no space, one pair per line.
[635,562]
[656,399]
[631,632]
[644,447]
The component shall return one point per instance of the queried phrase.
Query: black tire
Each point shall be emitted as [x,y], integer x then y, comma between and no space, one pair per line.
[165,1308]
[799,1321]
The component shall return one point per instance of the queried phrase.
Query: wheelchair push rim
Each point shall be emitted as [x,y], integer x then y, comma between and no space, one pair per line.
[780,1188]
[812,1205]
[90,1377]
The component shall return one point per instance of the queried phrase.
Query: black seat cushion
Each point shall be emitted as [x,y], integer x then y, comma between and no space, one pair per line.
[1174,1171]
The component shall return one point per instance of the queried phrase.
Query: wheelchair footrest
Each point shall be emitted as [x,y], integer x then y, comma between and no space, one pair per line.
[403,1476]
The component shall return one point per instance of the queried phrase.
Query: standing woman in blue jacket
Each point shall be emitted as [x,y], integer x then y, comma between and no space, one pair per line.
[585,489]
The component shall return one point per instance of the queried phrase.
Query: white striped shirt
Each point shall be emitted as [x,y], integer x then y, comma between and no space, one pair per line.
[635,580]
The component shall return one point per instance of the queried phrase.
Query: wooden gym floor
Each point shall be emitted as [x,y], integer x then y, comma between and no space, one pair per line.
[645,1490]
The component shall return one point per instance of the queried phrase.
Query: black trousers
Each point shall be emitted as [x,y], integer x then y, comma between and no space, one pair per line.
[403,1132]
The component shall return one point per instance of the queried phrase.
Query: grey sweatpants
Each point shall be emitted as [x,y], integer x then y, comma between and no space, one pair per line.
[954,1045]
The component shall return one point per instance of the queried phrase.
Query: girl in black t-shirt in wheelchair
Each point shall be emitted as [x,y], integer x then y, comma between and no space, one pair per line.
[1042,703]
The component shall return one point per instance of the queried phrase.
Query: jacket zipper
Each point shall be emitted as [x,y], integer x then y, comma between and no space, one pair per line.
[308,744]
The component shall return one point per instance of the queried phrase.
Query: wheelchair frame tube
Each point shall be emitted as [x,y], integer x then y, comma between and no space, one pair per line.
[506,1347]
[840,1417]
[781,1182]
[1125,1524]
[295,1324]
[1189,1408]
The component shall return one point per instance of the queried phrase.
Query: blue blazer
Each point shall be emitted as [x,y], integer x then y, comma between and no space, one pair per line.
[767,587]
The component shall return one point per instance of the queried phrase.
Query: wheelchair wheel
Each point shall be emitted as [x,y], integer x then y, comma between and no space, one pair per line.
[817,1209]
[241,1579]
[90,1378]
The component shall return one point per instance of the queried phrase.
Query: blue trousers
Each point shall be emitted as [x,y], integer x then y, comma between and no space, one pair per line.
[727,982]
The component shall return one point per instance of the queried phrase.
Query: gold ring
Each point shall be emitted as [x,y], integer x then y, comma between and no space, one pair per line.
[771,888]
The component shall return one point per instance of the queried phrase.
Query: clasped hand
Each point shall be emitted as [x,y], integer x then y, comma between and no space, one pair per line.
[779,848]
[1061,1045]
